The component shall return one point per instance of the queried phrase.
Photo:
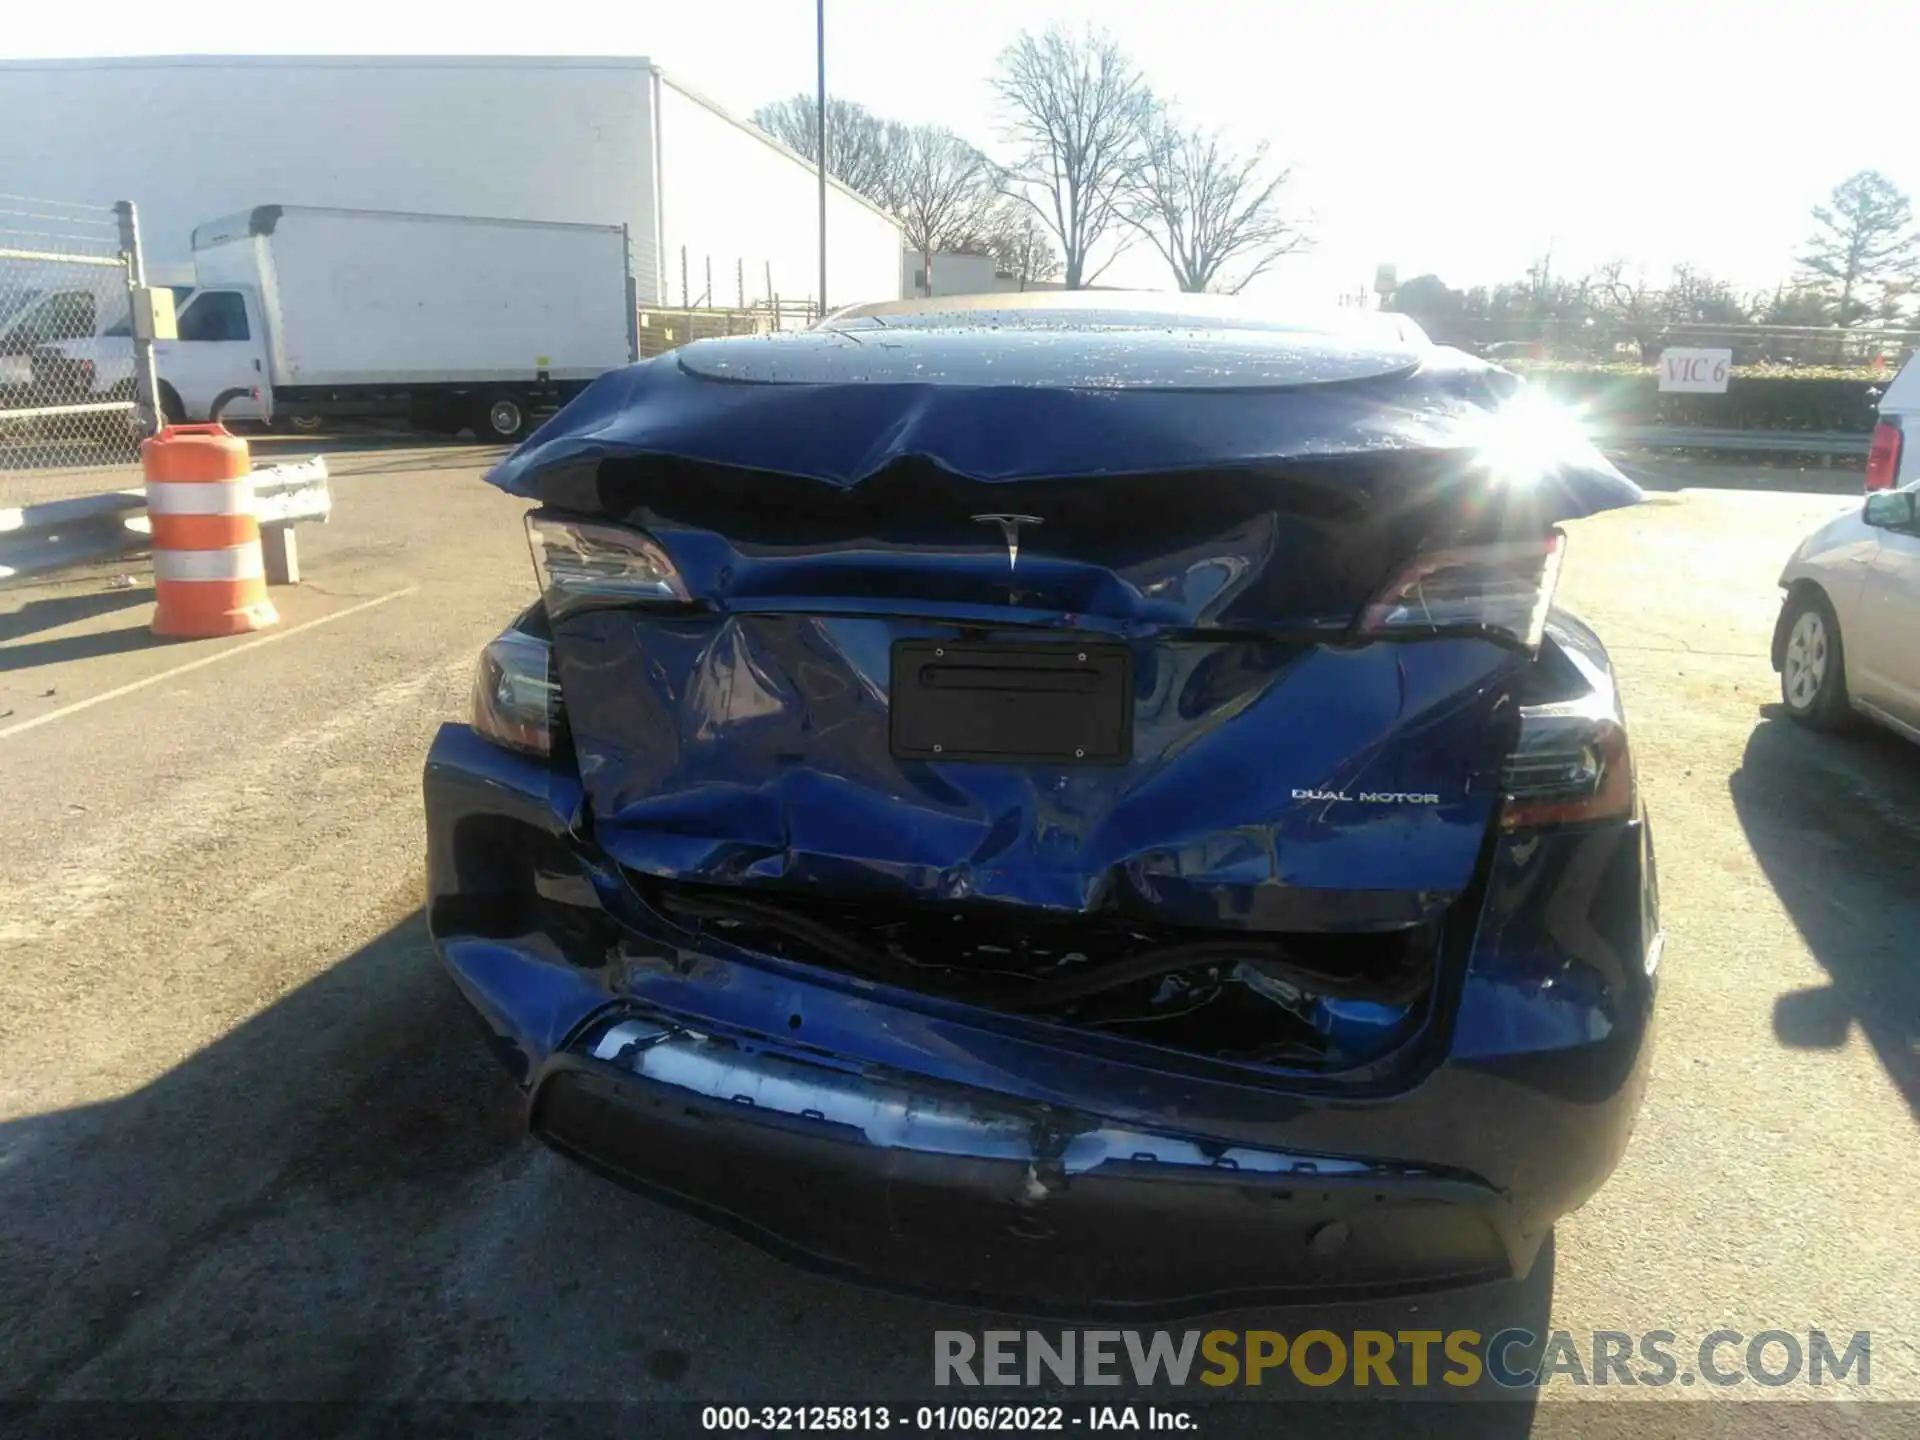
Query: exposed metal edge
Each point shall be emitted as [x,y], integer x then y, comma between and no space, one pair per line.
[892,1114]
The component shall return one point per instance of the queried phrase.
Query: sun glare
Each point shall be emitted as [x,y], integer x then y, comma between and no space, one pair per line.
[1529,436]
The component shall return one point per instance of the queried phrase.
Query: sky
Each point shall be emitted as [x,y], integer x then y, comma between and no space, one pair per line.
[1469,139]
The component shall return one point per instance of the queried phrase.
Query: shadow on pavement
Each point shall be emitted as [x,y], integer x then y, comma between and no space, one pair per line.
[224,1208]
[335,1201]
[79,647]
[1835,822]
[57,610]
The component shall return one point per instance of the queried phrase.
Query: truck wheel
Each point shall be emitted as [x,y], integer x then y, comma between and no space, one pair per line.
[503,417]
[171,410]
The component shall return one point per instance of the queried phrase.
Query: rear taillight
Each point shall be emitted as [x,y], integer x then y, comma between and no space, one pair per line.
[516,702]
[1569,768]
[1883,456]
[1504,588]
[582,564]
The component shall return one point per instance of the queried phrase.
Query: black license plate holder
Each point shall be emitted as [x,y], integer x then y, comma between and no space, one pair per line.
[1034,704]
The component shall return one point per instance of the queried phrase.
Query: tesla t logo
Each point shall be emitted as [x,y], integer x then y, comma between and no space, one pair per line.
[1010,530]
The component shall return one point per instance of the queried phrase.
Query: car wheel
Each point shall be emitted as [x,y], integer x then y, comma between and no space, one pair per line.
[1813,681]
[172,412]
[504,417]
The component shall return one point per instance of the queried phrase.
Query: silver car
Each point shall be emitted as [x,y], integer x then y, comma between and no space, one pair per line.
[1848,638]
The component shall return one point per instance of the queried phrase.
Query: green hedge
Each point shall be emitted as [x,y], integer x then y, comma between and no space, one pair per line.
[1758,397]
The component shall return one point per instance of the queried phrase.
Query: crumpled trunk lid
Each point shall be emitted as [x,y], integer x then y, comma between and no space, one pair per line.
[870,565]
[1270,784]
[1273,772]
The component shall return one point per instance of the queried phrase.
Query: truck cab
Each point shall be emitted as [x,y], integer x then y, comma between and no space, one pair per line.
[221,347]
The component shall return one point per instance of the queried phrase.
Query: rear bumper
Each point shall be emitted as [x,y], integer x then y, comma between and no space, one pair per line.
[935,1148]
[964,1196]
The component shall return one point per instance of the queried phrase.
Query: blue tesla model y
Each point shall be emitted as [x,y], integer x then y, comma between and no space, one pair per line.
[1079,803]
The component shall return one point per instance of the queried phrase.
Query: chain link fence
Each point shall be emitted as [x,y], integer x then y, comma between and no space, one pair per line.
[67,354]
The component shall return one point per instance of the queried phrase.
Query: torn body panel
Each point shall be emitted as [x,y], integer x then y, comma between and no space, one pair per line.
[1308,813]
[756,750]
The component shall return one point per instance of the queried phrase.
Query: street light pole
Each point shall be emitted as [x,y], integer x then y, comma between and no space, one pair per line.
[820,49]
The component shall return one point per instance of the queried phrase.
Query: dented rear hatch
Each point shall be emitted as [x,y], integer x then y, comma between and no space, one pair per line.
[1107,642]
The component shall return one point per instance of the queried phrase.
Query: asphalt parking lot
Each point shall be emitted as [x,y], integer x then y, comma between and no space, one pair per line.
[251,1149]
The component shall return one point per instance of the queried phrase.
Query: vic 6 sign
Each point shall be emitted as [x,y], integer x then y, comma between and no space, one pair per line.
[1697,372]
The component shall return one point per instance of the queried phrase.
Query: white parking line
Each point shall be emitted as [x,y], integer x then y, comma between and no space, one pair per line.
[205,660]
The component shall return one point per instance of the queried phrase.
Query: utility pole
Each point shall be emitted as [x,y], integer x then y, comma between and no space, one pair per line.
[820,51]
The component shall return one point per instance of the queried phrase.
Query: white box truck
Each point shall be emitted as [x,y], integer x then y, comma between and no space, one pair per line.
[306,314]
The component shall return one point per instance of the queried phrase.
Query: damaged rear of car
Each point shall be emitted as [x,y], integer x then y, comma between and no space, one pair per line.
[1074,806]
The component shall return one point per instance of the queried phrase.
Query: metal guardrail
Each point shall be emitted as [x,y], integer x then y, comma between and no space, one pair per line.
[1753,442]
[89,529]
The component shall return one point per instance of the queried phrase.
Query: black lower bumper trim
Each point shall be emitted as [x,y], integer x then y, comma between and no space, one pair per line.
[1119,1240]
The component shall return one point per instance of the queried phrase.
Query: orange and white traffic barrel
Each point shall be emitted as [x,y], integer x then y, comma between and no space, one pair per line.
[208,576]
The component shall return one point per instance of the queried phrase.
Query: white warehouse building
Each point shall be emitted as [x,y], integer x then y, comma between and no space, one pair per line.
[597,140]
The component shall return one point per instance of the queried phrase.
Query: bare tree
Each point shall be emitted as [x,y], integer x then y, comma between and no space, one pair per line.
[864,152]
[1693,297]
[1213,214]
[944,192]
[1863,239]
[1020,245]
[1636,305]
[1075,109]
